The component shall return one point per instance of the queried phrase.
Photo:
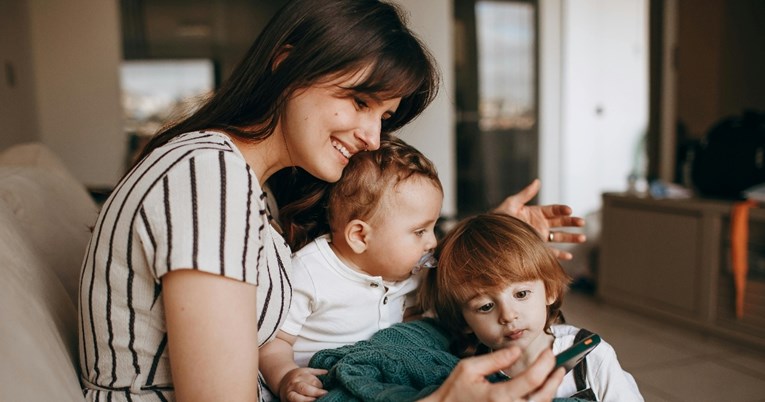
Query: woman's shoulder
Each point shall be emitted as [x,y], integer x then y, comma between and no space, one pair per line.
[198,144]
[201,146]
[209,154]
[201,137]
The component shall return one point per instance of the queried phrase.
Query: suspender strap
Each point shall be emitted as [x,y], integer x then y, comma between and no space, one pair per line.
[580,370]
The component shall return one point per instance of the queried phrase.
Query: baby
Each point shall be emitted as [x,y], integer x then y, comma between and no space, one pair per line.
[358,279]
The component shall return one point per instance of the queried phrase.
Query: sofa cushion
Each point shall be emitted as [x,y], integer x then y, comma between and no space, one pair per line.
[38,327]
[54,210]
[36,154]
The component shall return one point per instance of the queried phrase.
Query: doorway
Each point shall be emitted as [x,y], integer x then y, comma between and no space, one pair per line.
[497,100]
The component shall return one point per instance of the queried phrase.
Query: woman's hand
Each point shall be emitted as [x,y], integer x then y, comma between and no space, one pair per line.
[544,218]
[468,380]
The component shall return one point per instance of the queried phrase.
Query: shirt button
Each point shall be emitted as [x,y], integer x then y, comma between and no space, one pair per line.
[385,300]
[374,284]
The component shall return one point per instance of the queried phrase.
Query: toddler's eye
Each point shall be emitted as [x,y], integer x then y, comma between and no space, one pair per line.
[420,233]
[486,307]
[522,294]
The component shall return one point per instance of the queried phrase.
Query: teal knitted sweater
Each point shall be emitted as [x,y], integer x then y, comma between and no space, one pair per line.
[405,362]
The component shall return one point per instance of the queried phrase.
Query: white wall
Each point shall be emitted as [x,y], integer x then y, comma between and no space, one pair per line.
[593,54]
[590,138]
[18,120]
[434,131]
[550,88]
[76,51]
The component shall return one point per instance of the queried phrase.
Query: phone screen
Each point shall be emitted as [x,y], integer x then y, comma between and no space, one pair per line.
[573,355]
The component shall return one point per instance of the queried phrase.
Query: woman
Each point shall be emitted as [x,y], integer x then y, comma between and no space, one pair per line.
[185,271]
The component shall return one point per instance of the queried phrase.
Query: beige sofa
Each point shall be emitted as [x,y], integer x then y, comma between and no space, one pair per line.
[45,219]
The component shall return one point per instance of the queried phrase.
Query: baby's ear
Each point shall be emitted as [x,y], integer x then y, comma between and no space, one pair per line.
[551,299]
[357,233]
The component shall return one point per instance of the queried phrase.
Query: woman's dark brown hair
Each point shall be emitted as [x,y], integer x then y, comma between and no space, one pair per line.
[309,42]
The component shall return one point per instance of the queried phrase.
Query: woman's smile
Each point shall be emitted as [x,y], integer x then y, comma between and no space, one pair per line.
[343,150]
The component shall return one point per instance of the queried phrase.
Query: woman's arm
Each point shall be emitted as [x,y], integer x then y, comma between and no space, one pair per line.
[468,380]
[212,336]
[543,218]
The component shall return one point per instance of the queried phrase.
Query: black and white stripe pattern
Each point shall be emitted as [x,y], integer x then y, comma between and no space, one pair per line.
[192,204]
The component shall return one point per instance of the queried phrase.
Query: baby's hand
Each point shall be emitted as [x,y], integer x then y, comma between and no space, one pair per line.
[301,385]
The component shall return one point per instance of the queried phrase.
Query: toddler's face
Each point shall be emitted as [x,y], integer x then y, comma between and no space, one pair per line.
[403,231]
[515,315]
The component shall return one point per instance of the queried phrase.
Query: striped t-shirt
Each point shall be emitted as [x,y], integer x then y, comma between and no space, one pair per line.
[193,203]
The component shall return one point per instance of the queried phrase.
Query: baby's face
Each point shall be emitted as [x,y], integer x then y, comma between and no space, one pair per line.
[514,315]
[403,231]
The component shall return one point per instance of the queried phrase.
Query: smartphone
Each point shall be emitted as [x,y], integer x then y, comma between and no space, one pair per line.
[573,355]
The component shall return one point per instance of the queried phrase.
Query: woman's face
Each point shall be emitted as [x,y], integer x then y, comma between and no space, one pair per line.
[324,125]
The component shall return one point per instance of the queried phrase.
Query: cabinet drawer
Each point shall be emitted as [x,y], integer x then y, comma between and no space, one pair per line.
[650,257]
[755,247]
[671,259]
[753,321]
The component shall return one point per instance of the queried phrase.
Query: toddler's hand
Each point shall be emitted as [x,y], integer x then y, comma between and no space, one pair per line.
[301,385]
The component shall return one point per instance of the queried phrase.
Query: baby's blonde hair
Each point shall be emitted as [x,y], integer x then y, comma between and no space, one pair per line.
[369,176]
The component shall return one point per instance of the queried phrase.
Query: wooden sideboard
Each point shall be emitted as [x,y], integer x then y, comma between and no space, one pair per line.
[671,259]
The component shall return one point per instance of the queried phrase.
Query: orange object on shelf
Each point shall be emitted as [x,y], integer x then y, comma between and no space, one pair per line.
[739,239]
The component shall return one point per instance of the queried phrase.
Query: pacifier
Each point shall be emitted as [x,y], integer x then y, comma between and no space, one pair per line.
[426,261]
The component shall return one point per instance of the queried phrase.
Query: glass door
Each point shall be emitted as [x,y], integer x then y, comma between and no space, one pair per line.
[497,85]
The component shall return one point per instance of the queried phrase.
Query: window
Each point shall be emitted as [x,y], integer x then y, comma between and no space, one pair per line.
[506,66]
[154,91]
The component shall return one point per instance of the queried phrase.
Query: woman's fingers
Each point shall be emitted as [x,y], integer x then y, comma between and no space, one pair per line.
[561,254]
[528,192]
[492,362]
[513,204]
[565,237]
[549,387]
[559,215]
[536,380]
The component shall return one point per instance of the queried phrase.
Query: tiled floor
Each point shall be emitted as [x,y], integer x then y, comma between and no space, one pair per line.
[672,363]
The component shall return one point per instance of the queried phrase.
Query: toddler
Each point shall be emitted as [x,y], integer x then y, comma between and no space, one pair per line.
[497,285]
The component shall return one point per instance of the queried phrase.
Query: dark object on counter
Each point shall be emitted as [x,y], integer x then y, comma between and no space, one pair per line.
[731,157]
